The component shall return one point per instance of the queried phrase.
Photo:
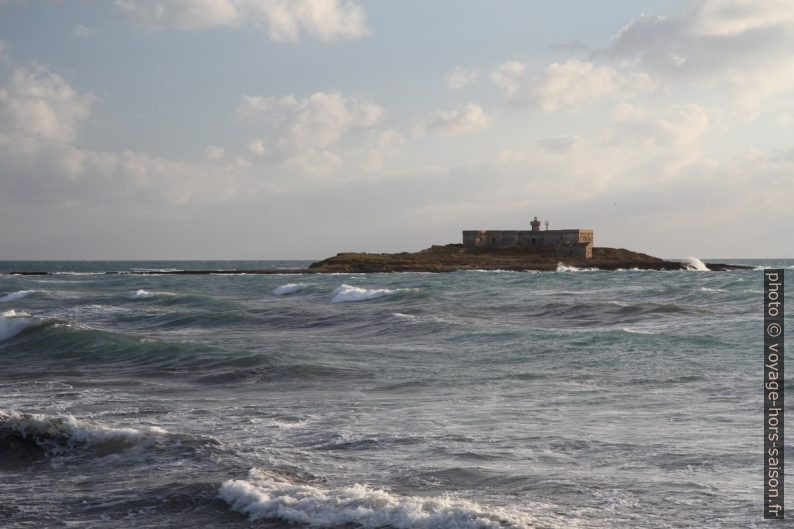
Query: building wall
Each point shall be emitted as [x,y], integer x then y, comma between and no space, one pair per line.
[568,242]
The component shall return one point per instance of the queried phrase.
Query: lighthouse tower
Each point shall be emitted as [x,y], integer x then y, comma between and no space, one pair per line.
[535,224]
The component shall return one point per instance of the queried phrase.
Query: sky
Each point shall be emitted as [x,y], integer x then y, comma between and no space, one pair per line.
[296,129]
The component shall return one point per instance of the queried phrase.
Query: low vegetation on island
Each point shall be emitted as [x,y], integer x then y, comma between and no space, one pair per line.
[453,257]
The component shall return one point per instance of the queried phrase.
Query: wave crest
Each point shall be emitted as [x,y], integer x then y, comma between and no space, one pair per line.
[55,434]
[13,323]
[347,293]
[566,268]
[290,288]
[696,265]
[19,294]
[265,495]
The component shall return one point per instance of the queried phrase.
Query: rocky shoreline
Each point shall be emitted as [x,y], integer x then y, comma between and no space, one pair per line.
[454,257]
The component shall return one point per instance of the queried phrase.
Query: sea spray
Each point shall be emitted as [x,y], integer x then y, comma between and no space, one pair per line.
[290,288]
[14,296]
[269,496]
[696,265]
[568,268]
[347,293]
[56,433]
[13,323]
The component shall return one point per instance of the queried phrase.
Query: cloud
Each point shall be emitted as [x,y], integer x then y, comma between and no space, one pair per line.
[214,153]
[37,105]
[576,83]
[81,31]
[510,76]
[41,160]
[257,146]
[738,46]
[459,78]
[725,18]
[308,130]
[326,20]
[469,117]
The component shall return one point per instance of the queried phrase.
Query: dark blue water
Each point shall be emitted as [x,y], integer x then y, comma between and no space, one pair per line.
[451,401]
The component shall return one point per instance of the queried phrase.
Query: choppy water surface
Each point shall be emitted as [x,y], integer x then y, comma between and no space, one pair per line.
[453,401]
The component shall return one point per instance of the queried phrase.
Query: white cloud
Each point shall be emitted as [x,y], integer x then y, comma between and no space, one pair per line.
[327,20]
[469,117]
[40,160]
[681,127]
[732,17]
[257,146]
[214,153]
[510,77]
[738,47]
[309,129]
[459,78]
[81,31]
[576,83]
[37,105]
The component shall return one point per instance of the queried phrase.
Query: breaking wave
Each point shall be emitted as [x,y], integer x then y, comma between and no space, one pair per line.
[290,288]
[58,434]
[638,331]
[565,268]
[268,496]
[13,323]
[145,294]
[695,264]
[347,293]
[13,296]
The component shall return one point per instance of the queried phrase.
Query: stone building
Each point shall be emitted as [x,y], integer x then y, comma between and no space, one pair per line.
[574,242]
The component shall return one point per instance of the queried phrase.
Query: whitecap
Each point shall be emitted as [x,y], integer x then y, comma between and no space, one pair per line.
[637,331]
[13,323]
[566,268]
[347,293]
[19,294]
[290,288]
[54,433]
[145,294]
[267,496]
[696,265]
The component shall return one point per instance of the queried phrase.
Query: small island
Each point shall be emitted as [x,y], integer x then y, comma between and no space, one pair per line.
[514,250]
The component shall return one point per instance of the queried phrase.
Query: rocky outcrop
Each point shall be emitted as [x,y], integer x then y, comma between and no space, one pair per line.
[457,257]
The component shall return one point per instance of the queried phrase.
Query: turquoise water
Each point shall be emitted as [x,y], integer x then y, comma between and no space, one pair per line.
[460,400]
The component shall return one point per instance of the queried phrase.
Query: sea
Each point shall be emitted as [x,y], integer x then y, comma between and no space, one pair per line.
[576,398]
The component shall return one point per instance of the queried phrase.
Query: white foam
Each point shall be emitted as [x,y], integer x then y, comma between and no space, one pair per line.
[145,294]
[707,289]
[637,331]
[13,323]
[56,432]
[19,294]
[565,268]
[347,293]
[266,496]
[290,288]
[695,264]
